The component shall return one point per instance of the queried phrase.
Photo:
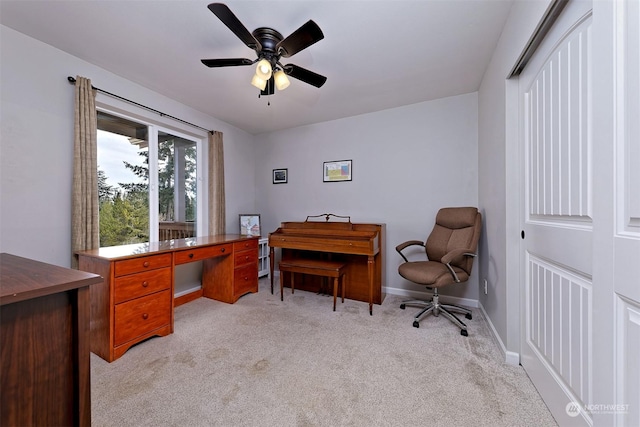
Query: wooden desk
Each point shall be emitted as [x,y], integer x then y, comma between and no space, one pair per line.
[44,342]
[136,298]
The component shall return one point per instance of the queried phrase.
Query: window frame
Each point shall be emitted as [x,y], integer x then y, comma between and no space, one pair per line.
[164,124]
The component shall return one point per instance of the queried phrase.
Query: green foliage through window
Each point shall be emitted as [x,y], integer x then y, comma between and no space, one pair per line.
[124,208]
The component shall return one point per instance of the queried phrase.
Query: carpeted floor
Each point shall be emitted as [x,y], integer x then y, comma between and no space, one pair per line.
[262,362]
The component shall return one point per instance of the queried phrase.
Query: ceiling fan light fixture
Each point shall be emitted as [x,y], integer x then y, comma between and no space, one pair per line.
[282,82]
[263,70]
[269,46]
[258,82]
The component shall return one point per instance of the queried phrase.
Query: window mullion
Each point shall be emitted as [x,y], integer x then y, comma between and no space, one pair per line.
[202,227]
[153,185]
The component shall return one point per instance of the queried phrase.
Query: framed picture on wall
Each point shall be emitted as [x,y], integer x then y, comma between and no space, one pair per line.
[250,225]
[280,176]
[336,171]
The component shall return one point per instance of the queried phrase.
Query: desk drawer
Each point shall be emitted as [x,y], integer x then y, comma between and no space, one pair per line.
[142,315]
[137,265]
[245,257]
[140,284]
[245,279]
[245,244]
[197,254]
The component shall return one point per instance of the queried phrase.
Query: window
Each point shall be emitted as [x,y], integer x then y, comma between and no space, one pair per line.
[177,190]
[148,182]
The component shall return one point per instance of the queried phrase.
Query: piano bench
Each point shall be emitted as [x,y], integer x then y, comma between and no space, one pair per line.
[316,267]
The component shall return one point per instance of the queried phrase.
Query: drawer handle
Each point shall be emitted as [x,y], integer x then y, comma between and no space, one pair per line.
[191,255]
[247,257]
[145,264]
[145,284]
[145,316]
[223,249]
[246,279]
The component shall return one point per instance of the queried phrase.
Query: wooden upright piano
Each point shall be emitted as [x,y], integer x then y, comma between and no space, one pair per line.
[360,246]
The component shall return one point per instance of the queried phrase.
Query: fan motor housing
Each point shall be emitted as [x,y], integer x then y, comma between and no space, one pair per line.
[269,39]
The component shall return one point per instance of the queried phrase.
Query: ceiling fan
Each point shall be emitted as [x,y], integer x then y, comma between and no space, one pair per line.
[269,46]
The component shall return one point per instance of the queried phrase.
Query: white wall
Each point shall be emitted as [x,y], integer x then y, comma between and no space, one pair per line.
[36,150]
[407,163]
[498,172]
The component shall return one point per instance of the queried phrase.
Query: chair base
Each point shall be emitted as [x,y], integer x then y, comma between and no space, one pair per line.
[434,306]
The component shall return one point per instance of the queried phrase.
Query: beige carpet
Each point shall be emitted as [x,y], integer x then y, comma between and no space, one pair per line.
[262,362]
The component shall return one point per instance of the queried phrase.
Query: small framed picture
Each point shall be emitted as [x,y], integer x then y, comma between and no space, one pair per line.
[280,176]
[250,225]
[336,171]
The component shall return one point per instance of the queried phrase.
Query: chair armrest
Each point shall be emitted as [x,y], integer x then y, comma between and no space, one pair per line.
[450,256]
[405,245]
[456,253]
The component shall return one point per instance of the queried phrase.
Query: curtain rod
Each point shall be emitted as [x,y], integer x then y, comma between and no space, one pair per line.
[72,80]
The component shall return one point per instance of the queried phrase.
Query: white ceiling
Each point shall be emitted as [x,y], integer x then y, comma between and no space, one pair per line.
[376,54]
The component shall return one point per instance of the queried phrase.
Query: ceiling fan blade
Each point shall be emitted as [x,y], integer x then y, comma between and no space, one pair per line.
[230,62]
[230,20]
[304,75]
[300,39]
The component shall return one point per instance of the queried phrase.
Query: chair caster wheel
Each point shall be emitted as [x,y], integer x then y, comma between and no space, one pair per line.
[468,316]
[402,306]
[416,324]
[464,332]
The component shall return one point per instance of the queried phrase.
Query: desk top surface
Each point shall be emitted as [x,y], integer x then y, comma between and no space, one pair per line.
[23,278]
[141,249]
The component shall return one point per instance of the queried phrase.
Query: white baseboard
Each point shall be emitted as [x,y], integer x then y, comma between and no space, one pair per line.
[467,302]
[510,357]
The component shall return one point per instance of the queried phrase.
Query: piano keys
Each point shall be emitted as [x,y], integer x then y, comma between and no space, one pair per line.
[360,246]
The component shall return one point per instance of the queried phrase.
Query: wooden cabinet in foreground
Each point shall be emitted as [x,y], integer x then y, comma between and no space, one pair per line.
[44,344]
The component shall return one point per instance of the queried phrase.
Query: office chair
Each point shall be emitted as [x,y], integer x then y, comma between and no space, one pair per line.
[450,249]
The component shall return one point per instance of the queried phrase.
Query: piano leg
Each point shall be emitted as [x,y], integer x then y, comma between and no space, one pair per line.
[335,291]
[272,257]
[370,269]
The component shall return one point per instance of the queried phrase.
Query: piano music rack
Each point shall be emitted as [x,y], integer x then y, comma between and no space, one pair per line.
[327,216]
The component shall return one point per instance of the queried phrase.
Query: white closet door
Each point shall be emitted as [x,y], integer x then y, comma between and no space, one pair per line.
[557,216]
[626,229]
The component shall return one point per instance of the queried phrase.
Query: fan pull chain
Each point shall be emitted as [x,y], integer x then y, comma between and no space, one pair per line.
[268,100]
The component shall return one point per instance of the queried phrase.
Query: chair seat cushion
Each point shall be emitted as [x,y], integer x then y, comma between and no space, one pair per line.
[430,273]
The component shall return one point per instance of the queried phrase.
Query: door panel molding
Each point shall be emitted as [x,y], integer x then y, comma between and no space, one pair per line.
[627,369]
[559,323]
[627,149]
[557,133]
[627,126]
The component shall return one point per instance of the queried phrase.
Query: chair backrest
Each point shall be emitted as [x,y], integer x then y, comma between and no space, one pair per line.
[455,228]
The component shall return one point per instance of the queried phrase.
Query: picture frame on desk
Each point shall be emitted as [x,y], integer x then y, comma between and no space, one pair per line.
[336,171]
[250,224]
[280,176]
